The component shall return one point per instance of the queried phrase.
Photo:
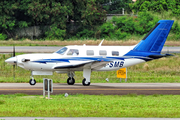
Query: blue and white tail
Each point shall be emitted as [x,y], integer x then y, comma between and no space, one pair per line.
[153,42]
[155,39]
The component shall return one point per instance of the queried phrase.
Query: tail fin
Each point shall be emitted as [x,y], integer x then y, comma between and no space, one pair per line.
[155,39]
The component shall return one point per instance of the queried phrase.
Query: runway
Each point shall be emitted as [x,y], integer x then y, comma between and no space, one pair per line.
[94,88]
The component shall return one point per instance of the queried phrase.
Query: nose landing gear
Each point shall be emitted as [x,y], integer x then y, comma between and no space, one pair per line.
[32,81]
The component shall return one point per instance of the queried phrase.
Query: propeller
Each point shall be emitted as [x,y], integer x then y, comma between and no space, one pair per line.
[14,54]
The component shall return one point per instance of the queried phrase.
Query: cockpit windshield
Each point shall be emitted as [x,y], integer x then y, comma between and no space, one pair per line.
[62,50]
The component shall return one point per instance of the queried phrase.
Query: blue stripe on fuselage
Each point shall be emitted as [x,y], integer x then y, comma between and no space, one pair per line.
[106,59]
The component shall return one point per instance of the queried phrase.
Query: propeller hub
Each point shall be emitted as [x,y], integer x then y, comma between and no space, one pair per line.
[11,60]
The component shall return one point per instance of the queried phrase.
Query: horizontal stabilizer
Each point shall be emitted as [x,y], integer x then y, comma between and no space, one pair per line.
[159,56]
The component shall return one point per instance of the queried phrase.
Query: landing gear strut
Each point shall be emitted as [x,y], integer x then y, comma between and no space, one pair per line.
[86,75]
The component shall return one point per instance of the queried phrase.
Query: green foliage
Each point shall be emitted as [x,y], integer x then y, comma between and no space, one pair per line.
[7,11]
[27,13]
[116,6]
[145,6]
[22,24]
[107,29]
[85,33]
[120,35]
[144,23]
[126,24]
[55,33]
[121,27]
[3,36]
[176,30]
[89,15]
[157,6]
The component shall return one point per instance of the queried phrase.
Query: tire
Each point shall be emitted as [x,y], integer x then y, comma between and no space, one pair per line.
[84,82]
[31,82]
[70,81]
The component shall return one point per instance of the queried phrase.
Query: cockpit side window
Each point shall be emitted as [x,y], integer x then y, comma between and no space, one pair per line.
[62,50]
[73,52]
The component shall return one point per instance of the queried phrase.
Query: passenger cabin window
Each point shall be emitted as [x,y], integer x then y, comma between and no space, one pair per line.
[90,52]
[115,53]
[102,52]
[73,52]
[62,50]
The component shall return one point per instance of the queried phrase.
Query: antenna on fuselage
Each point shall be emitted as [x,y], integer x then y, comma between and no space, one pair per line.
[101,43]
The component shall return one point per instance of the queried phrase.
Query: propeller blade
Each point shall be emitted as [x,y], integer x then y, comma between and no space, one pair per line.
[14,54]
[14,71]
[14,51]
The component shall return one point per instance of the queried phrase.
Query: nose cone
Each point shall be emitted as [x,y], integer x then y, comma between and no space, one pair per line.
[11,60]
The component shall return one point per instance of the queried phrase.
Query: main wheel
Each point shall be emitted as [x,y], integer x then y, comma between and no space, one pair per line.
[32,82]
[85,83]
[70,81]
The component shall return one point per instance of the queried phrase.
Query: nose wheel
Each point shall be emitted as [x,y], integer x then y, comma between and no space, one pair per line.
[70,81]
[32,81]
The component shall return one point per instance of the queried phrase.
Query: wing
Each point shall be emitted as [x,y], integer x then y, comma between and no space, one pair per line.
[88,64]
[71,66]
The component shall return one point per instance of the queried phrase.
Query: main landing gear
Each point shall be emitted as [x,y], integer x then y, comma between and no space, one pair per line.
[85,81]
[71,80]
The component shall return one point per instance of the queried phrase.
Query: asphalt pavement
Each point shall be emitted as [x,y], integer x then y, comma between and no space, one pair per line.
[94,88]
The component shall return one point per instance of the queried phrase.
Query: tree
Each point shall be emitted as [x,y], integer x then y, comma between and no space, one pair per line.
[116,6]
[53,15]
[7,19]
[87,15]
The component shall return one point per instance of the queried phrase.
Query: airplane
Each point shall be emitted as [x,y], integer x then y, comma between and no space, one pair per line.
[95,58]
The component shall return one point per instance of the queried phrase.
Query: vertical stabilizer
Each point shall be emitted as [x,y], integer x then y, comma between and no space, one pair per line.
[155,39]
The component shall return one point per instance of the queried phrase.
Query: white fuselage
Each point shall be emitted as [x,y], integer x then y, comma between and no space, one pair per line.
[84,55]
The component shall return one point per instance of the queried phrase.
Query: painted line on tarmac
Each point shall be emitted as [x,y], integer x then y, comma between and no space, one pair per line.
[95,89]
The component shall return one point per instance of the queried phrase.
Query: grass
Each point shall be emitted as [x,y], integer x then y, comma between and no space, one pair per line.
[91,106]
[65,42]
[164,70]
